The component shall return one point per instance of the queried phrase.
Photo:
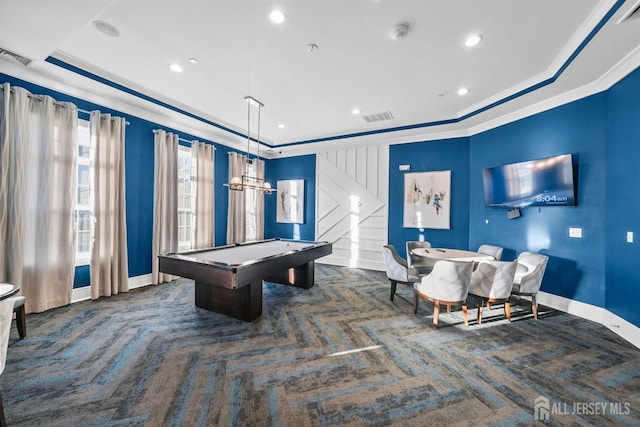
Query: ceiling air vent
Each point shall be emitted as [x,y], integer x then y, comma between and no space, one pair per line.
[21,59]
[634,13]
[378,117]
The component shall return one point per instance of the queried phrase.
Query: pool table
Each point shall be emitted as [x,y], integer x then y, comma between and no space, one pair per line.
[228,279]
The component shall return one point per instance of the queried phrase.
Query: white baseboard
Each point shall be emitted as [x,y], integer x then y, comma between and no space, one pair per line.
[342,262]
[620,326]
[84,293]
[139,281]
[577,308]
[80,294]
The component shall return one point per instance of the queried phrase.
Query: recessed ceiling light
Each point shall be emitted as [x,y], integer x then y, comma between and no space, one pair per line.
[463,91]
[193,60]
[355,111]
[276,16]
[281,126]
[473,40]
[106,28]
[176,68]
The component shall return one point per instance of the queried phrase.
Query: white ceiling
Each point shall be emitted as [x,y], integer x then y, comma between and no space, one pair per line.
[357,64]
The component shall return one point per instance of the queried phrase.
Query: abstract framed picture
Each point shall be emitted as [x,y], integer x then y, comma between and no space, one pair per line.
[427,200]
[290,201]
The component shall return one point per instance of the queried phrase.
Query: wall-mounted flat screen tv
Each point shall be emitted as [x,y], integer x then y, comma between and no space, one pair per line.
[542,182]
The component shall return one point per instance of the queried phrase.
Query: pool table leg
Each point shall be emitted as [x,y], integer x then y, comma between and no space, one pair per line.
[301,276]
[244,303]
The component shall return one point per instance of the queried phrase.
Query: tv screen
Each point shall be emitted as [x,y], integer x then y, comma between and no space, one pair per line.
[543,182]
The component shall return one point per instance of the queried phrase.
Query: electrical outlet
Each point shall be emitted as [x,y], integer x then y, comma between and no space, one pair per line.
[629,236]
[575,232]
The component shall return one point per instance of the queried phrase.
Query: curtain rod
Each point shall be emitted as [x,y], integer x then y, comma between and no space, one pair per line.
[183,140]
[58,103]
[80,110]
[39,98]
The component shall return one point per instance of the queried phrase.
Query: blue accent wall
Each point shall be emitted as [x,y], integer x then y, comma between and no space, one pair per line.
[301,167]
[221,177]
[576,266]
[600,131]
[623,199]
[139,169]
[449,154]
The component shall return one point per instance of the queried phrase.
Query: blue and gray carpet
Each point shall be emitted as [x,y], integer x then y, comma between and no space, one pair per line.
[339,354]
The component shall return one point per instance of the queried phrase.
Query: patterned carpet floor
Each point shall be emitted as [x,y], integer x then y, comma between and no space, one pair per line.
[339,354]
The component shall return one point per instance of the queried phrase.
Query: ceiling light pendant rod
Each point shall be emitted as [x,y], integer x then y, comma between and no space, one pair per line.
[240,183]
[248,129]
[259,108]
[252,102]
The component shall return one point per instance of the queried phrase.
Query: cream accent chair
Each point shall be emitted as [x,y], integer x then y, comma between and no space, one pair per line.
[528,277]
[494,251]
[421,264]
[397,269]
[447,284]
[21,316]
[492,282]
[6,316]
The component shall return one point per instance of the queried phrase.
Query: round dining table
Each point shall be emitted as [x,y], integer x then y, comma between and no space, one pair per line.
[451,254]
[8,290]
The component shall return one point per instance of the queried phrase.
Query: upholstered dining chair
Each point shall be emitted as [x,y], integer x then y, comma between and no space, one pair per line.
[6,315]
[447,284]
[528,277]
[494,251]
[21,316]
[421,264]
[397,269]
[491,282]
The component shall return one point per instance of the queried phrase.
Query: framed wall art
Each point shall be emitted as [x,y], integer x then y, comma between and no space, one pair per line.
[427,200]
[290,202]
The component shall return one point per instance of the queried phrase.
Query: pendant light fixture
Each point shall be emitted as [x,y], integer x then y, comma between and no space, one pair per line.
[239,183]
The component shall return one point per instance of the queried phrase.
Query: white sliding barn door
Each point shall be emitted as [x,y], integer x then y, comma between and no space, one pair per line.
[352,192]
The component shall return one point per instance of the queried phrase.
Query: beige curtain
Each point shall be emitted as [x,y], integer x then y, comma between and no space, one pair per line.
[165,201]
[38,151]
[258,167]
[109,269]
[236,227]
[203,155]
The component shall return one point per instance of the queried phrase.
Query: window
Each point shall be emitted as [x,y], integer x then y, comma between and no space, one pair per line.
[186,198]
[84,218]
[83,213]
